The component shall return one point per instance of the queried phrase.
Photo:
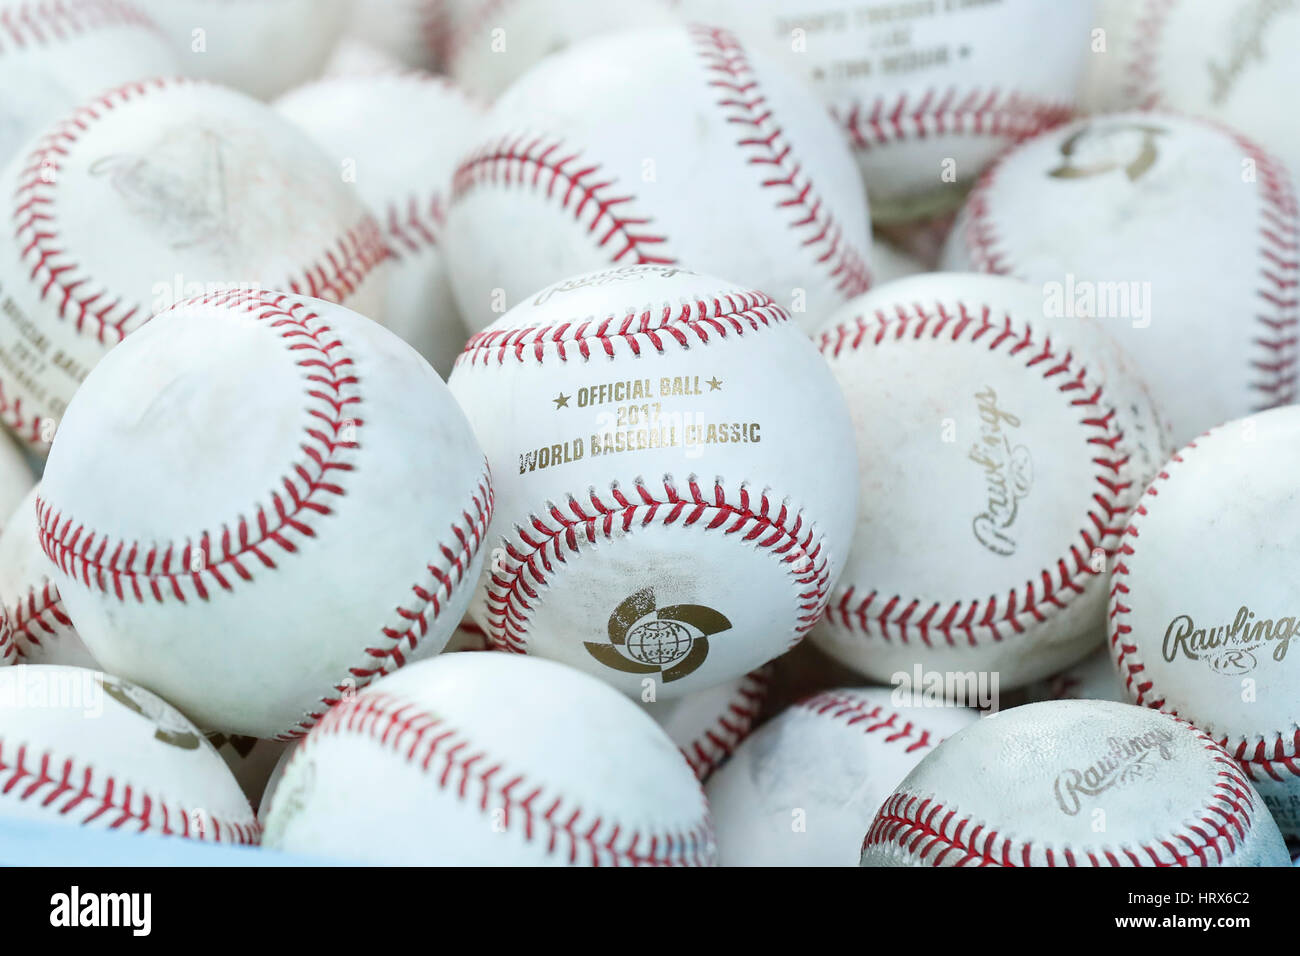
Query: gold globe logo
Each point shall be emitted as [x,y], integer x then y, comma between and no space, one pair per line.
[645,639]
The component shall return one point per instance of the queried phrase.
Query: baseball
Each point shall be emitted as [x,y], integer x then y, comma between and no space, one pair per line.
[41,629]
[652,441]
[1180,235]
[473,765]
[259,47]
[803,789]
[206,191]
[1206,634]
[490,43]
[58,54]
[659,148]
[375,128]
[1228,60]
[999,451]
[254,597]
[1075,783]
[79,747]
[926,94]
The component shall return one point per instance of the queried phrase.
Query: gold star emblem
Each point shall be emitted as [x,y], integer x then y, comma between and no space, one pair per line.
[561,401]
[714,384]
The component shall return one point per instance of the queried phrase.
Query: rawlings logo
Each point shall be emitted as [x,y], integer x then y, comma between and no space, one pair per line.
[1102,144]
[1008,474]
[1229,648]
[669,641]
[1125,761]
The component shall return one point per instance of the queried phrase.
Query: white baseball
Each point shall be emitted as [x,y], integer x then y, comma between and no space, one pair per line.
[1180,234]
[152,194]
[54,55]
[345,543]
[490,43]
[1205,632]
[259,47]
[675,490]
[927,94]
[489,760]
[80,747]
[803,789]
[999,451]
[708,725]
[663,147]
[1229,60]
[1075,783]
[376,129]
[41,629]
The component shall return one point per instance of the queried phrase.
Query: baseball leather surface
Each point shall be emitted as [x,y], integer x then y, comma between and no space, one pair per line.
[1075,783]
[255,597]
[473,765]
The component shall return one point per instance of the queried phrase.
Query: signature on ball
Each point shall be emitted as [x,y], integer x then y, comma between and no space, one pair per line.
[1008,474]
[1229,648]
[1124,761]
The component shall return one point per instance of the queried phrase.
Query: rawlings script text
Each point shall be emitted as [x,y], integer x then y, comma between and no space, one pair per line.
[1008,473]
[1229,648]
[1125,760]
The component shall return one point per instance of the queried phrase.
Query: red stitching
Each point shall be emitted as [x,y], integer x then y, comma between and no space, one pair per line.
[1271,757]
[39,612]
[140,571]
[544,165]
[995,616]
[457,766]
[27,25]
[870,719]
[911,116]
[727,313]
[543,542]
[109,317]
[1278,291]
[8,648]
[1140,87]
[414,224]
[763,139]
[715,744]
[74,790]
[400,642]
[931,832]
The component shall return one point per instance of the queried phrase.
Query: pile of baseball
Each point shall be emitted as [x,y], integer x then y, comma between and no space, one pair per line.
[606,432]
